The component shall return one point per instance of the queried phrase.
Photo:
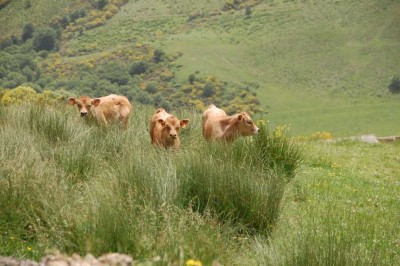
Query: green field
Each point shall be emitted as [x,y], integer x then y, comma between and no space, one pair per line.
[73,187]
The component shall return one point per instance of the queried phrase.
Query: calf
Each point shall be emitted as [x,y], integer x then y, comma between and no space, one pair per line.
[105,110]
[216,124]
[164,129]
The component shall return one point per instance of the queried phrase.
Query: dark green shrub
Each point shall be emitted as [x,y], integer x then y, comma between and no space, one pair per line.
[77,14]
[394,86]
[159,56]
[138,68]
[5,43]
[27,33]
[14,79]
[208,90]
[143,97]
[248,12]
[151,88]
[44,39]
[115,72]
[3,3]
[99,4]
[28,4]
[65,20]
[192,78]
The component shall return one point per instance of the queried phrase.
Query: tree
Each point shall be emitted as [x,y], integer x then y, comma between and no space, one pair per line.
[394,86]
[44,39]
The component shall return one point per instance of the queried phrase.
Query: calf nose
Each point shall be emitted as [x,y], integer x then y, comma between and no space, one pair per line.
[83,114]
[172,135]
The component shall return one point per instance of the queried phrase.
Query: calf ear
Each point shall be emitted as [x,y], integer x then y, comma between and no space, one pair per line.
[159,110]
[240,117]
[96,102]
[71,101]
[162,122]
[184,123]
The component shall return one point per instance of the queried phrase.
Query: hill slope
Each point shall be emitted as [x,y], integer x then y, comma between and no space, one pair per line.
[308,57]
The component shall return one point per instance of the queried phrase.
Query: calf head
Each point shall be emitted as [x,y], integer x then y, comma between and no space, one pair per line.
[171,127]
[84,104]
[246,126]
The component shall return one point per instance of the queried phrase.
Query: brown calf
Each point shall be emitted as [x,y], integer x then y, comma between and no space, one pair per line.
[105,110]
[216,124]
[164,129]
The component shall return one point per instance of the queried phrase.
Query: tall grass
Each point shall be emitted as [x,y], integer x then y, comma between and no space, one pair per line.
[71,186]
[75,187]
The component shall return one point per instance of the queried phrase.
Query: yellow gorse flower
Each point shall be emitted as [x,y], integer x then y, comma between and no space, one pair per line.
[261,122]
[192,262]
[322,135]
[281,130]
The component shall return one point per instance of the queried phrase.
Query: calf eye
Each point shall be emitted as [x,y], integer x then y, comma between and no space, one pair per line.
[249,122]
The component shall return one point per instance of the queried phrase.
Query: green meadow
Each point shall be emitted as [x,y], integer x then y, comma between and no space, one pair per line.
[73,187]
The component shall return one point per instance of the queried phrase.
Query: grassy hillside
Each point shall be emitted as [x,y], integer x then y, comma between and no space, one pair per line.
[19,12]
[324,57]
[73,187]
[316,65]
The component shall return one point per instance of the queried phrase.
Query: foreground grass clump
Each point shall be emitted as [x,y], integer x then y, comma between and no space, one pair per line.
[342,208]
[71,186]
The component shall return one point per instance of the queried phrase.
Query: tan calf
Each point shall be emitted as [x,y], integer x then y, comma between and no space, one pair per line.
[216,124]
[105,110]
[164,129]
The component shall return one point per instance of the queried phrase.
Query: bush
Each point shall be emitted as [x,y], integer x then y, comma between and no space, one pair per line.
[3,3]
[394,86]
[208,90]
[44,39]
[27,32]
[14,79]
[99,4]
[116,72]
[159,56]
[151,88]
[18,95]
[192,78]
[143,98]
[138,68]
[248,12]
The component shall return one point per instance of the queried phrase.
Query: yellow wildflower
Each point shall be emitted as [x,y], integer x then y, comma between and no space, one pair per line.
[193,263]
